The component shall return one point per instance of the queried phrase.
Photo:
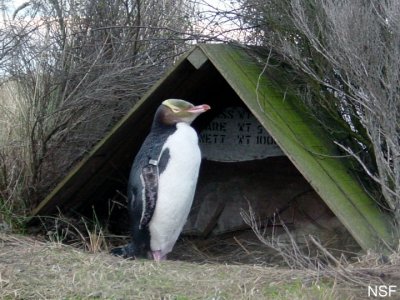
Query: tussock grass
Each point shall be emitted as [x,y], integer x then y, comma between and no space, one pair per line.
[30,269]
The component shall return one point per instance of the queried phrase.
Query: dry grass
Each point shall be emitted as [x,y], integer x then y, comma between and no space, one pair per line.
[317,259]
[252,264]
[30,269]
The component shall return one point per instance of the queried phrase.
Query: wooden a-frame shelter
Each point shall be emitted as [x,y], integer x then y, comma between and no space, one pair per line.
[206,74]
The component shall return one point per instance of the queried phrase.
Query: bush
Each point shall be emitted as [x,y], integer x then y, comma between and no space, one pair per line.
[69,72]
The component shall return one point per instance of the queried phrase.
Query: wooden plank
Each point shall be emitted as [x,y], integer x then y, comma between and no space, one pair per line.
[285,118]
[197,58]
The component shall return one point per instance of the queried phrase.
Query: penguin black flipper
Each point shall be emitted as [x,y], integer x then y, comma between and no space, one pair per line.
[150,176]
[150,181]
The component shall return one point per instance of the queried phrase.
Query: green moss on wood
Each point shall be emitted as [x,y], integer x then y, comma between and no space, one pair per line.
[305,143]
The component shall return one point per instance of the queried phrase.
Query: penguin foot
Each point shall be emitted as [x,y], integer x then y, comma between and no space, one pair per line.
[124,251]
[157,256]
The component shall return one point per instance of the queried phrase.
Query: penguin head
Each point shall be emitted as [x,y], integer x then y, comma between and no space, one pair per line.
[173,111]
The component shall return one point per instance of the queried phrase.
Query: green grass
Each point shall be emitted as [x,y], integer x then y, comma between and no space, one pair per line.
[9,221]
[301,290]
[36,270]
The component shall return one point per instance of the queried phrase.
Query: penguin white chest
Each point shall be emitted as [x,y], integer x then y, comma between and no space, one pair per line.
[176,187]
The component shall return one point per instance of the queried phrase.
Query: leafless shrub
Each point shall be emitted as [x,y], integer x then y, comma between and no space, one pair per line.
[347,53]
[319,261]
[69,71]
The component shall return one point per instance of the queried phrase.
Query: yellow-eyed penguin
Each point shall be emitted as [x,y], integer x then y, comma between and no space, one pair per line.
[162,181]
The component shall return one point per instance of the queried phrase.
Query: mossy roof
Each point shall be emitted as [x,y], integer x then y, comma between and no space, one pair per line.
[284,116]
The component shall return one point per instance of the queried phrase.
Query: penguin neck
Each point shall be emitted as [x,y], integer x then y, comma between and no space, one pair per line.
[161,128]
[159,134]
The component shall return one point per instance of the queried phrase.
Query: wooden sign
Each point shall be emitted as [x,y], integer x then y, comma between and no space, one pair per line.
[236,135]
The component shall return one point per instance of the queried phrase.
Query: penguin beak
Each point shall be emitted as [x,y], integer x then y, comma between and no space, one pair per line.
[199,109]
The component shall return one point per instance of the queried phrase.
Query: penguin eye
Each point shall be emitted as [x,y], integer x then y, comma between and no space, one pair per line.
[175,110]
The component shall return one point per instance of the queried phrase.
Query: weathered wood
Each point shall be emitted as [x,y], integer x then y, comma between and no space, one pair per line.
[197,58]
[306,144]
